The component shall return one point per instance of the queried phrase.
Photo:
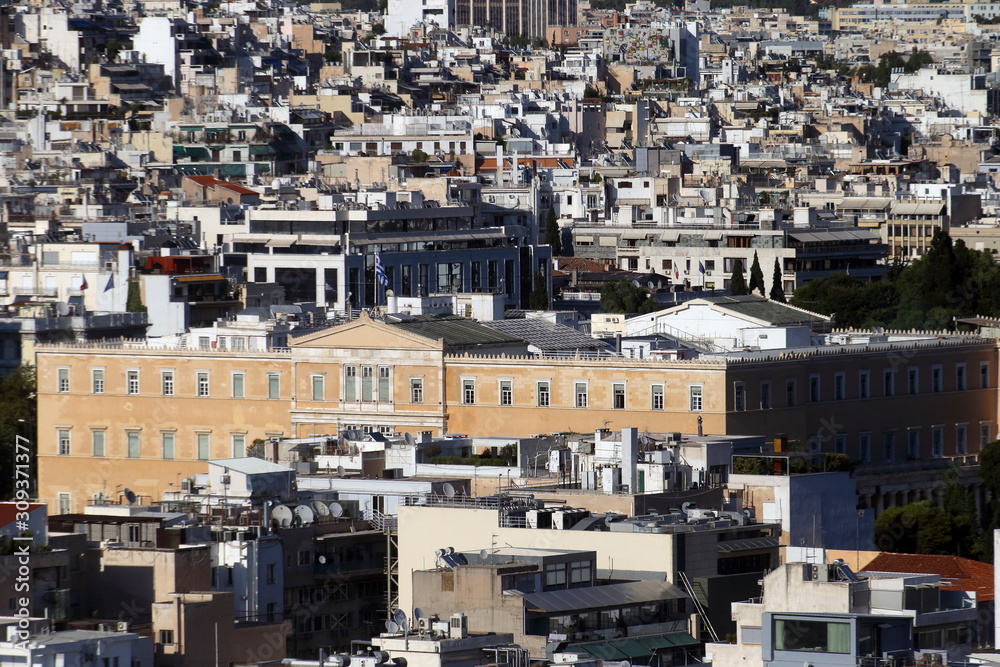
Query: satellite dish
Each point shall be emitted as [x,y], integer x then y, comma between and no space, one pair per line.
[320,508]
[679,200]
[283,515]
[340,471]
[706,195]
[129,496]
[322,559]
[484,554]
[389,293]
[448,489]
[62,309]
[392,627]
[644,439]
[304,514]
[636,283]
[336,510]
[410,440]
[404,626]
[400,617]
[418,614]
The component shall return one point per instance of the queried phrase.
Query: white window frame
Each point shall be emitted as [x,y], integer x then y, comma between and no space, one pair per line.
[94,432]
[384,373]
[238,437]
[64,440]
[130,389]
[198,435]
[468,391]
[129,432]
[172,434]
[276,376]
[614,395]
[242,375]
[62,380]
[417,387]
[548,393]
[203,383]
[65,502]
[696,397]
[578,395]
[657,396]
[97,380]
[350,383]
[168,382]
[505,396]
[317,381]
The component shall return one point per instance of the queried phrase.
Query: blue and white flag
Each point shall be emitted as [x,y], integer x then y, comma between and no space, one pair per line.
[380,272]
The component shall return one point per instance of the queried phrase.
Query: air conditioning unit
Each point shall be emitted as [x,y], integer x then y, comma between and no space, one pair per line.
[458,626]
[122,626]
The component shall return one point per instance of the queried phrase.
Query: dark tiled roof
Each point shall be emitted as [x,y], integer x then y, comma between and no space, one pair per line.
[456,331]
[764,309]
[547,335]
[957,574]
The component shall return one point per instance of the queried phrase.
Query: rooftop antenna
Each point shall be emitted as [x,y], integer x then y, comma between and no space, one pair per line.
[340,471]
[391,627]
[704,194]
[129,496]
[410,441]
[449,490]
[679,200]
[399,616]
[283,515]
[336,510]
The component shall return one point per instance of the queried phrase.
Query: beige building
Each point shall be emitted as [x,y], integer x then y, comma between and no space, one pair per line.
[130,414]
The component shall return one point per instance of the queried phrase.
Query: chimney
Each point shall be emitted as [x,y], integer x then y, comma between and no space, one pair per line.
[630,456]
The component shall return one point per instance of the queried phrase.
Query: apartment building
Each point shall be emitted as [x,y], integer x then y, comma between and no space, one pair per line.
[130,414]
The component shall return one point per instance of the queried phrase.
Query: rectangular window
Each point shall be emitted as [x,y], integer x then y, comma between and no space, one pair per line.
[202,384]
[739,397]
[840,443]
[239,445]
[469,392]
[133,444]
[132,382]
[350,384]
[984,435]
[65,503]
[168,445]
[97,380]
[580,572]
[839,387]
[814,389]
[695,397]
[166,637]
[961,444]
[765,395]
[812,636]
[936,379]
[937,442]
[97,440]
[416,390]
[239,380]
[366,384]
[890,446]
[555,575]
[204,446]
[790,394]
[383,384]
[318,389]
[657,401]
[64,442]
[865,447]
[167,382]
[864,384]
[618,394]
[959,377]
[888,383]
[912,381]
[506,392]
[913,444]
[984,375]
[542,391]
[63,380]
[273,385]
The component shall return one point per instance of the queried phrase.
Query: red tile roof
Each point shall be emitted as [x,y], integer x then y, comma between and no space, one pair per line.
[957,574]
[213,182]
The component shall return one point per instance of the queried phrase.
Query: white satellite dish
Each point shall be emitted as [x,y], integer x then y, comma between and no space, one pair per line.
[400,617]
[448,489]
[320,508]
[636,283]
[644,439]
[410,440]
[405,625]
[283,515]
[304,514]
[484,554]
[129,496]
[336,510]
[391,627]
[419,615]
[679,200]
[340,471]
[706,195]
[322,559]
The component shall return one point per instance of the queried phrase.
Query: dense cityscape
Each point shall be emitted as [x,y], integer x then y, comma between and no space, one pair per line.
[499,333]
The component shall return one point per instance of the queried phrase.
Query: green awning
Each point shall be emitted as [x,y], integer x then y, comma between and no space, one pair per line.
[191,128]
[233,170]
[216,129]
[179,151]
[196,152]
[261,149]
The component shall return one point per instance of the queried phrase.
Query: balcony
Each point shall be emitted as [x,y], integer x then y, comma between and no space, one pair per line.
[350,567]
[35,291]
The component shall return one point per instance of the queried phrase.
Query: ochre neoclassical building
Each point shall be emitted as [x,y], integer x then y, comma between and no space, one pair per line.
[119,415]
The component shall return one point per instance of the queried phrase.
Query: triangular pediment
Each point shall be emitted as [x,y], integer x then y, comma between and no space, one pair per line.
[366,333]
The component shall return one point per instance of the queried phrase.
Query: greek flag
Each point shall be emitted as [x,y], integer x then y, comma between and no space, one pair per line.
[380,272]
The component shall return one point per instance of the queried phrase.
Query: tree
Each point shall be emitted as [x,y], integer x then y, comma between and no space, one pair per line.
[133,303]
[622,296]
[918,528]
[737,283]
[418,155]
[595,177]
[552,234]
[756,276]
[539,299]
[18,418]
[113,48]
[378,29]
[777,293]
